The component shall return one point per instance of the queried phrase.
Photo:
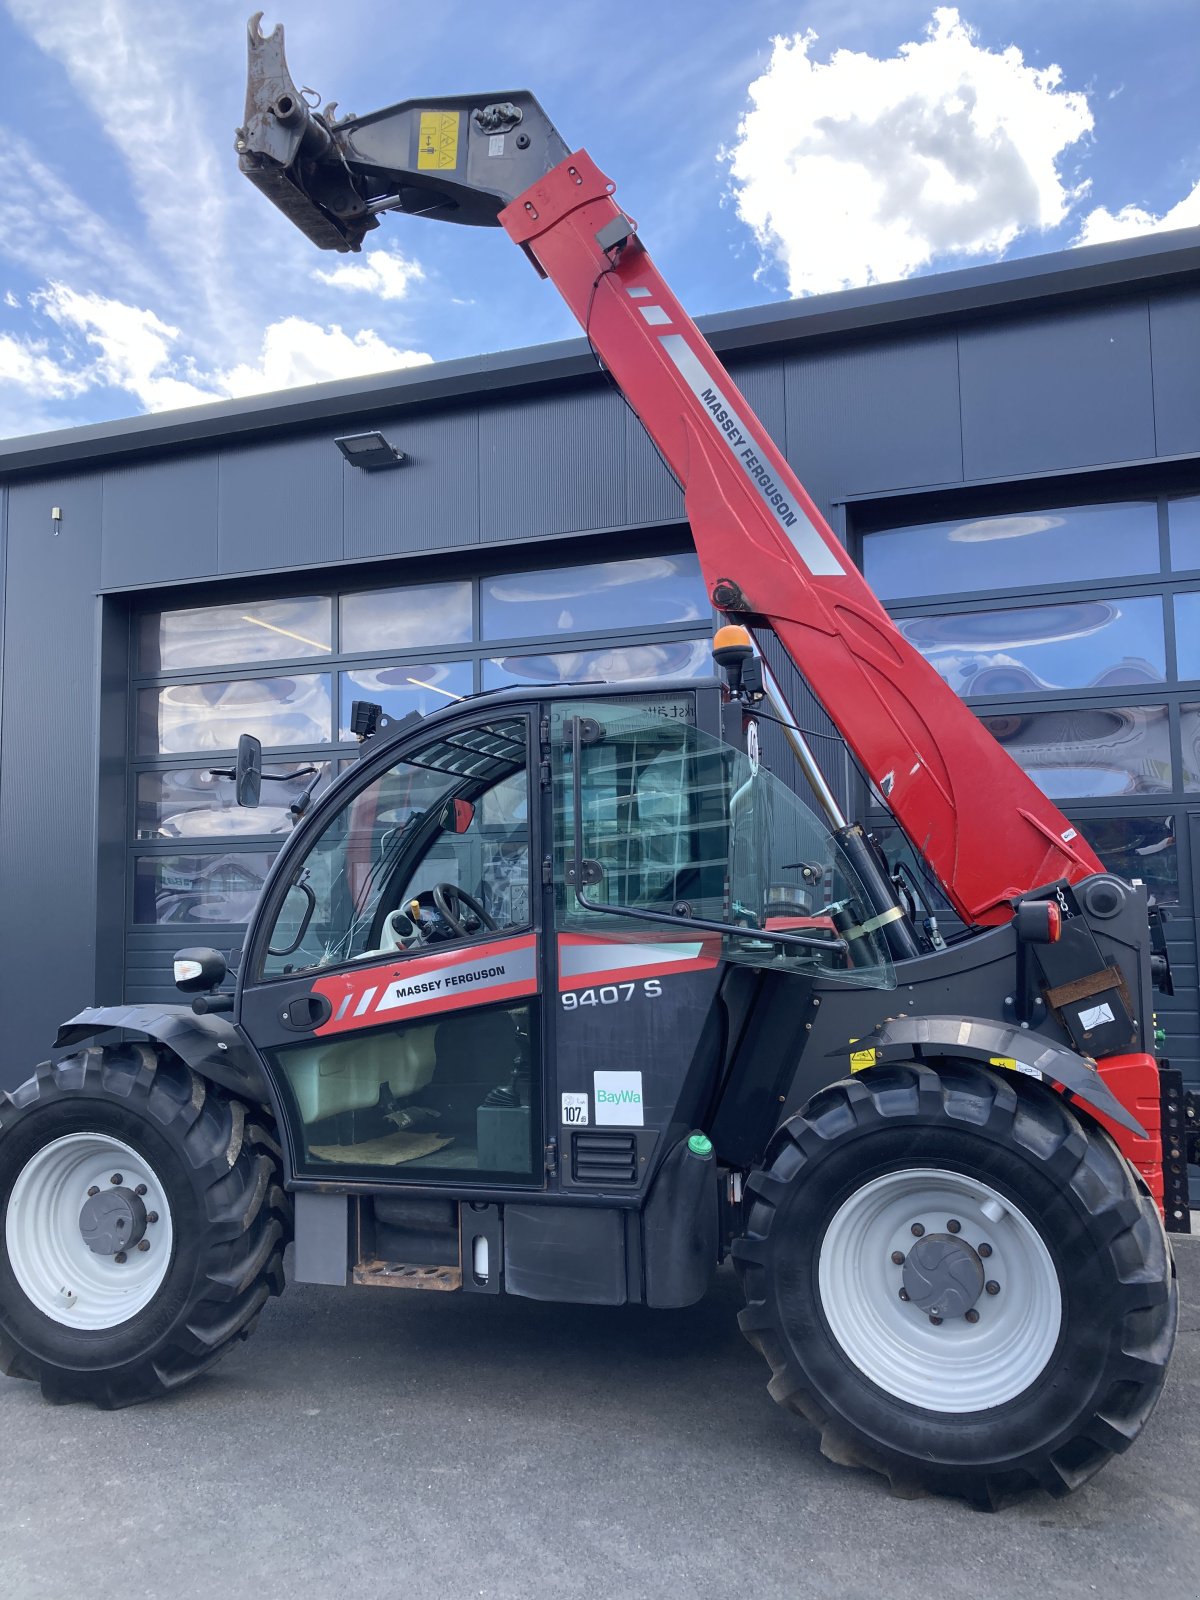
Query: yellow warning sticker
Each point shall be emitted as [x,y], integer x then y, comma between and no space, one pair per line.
[860,1060]
[1003,1061]
[437,141]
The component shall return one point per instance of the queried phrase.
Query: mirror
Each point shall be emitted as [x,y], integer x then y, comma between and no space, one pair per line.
[248,778]
[199,970]
[457,816]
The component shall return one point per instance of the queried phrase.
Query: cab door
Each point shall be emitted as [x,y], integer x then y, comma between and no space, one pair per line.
[395,982]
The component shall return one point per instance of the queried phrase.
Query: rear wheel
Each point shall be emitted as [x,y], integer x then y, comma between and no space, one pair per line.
[144,1225]
[957,1282]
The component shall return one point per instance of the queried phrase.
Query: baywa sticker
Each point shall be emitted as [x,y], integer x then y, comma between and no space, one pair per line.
[619,1099]
[575,1109]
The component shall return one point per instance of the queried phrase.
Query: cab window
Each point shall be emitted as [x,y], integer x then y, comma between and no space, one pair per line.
[433,850]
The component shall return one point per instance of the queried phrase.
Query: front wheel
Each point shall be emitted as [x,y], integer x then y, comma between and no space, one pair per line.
[957,1282]
[144,1225]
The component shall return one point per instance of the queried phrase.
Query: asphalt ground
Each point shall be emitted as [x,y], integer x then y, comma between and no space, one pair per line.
[383,1443]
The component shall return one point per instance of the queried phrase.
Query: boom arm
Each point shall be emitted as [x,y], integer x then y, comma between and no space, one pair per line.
[767,554]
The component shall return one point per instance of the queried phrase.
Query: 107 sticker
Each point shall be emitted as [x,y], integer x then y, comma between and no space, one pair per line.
[611,994]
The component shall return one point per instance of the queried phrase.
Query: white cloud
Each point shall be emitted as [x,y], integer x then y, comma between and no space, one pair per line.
[137,71]
[108,344]
[862,170]
[384,273]
[1101,225]
[295,351]
[136,349]
[11,301]
[27,364]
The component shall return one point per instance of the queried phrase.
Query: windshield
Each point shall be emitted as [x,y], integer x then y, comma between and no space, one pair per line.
[676,822]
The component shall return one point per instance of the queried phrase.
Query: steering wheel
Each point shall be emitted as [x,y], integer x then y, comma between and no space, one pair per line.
[448,901]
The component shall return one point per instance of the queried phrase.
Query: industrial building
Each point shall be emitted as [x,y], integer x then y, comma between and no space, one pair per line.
[1011,452]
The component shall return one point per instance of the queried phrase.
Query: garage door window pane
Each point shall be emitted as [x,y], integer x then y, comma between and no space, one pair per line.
[1077,645]
[645,593]
[1187,635]
[218,636]
[190,803]
[211,716]
[415,618]
[422,687]
[1011,552]
[1189,729]
[198,888]
[1137,847]
[1090,750]
[683,658]
[1183,519]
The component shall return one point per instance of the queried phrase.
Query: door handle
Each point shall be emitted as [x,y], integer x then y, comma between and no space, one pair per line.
[306,1012]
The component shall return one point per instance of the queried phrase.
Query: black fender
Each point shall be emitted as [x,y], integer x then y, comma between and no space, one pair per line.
[211,1045]
[993,1044]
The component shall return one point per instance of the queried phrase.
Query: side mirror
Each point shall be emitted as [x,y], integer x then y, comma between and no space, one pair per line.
[457,816]
[248,778]
[199,970]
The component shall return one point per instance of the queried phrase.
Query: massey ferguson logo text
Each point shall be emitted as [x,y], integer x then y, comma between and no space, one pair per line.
[756,469]
[452,980]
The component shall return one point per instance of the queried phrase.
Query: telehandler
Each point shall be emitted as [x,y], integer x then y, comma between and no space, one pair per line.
[561,993]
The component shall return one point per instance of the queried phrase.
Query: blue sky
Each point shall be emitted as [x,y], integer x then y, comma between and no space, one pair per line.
[766,150]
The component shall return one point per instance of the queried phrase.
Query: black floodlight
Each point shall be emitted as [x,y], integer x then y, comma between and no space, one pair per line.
[370,451]
[364,719]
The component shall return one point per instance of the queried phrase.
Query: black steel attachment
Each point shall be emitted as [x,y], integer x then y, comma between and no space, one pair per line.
[454,158]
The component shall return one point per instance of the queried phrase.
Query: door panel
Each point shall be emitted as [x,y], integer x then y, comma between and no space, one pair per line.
[402,1023]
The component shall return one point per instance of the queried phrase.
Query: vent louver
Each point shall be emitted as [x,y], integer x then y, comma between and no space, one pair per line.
[604,1158]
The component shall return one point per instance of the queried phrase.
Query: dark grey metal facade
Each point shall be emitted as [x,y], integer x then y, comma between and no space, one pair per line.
[1062,380]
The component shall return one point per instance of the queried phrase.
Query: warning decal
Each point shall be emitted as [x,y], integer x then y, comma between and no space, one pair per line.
[437,142]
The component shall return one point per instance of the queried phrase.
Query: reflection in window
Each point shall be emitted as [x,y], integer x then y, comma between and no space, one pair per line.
[198,888]
[649,592]
[1189,732]
[617,663]
[212,716]
[217,636]
[1009,552]
[412,618]
[1137,847]
[1187,635]
[422,687]
[190,803]
[1090,750]
[1183,519]
[1079,644]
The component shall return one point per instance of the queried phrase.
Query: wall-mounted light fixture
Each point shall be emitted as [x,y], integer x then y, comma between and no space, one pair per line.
[371,451]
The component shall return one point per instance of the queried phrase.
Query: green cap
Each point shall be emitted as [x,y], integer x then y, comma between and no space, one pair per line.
[700,1145]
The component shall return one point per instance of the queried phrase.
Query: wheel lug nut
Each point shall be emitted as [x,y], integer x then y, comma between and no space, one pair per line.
[954,1226]
[985,1250]
[120,1258]
[917,1229]
[93,1190]
[992,1286]
[904,1294]
[143,1244]
[972,1315]
[897,1258]
[152,1216]
[116,1178]
[141,1189]
[935,1319]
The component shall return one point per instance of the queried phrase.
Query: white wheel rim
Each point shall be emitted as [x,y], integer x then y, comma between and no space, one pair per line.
[957,1366]
[52,1262]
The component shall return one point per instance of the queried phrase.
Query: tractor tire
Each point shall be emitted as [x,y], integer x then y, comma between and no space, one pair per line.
[957,1282]
[144,1225]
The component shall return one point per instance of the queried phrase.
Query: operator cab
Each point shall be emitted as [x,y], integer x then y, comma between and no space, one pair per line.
[514,907]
